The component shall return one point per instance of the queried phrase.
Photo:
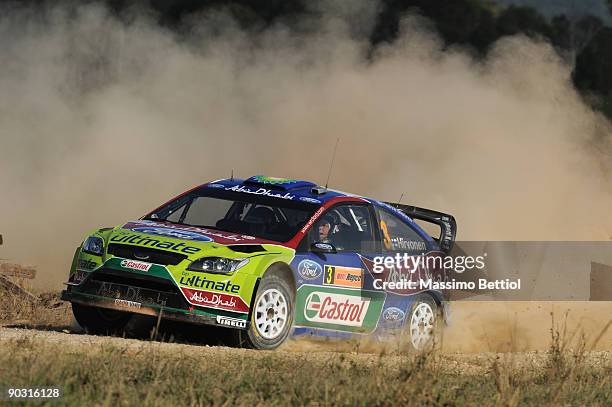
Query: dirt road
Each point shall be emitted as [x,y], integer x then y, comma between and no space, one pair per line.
[112,371]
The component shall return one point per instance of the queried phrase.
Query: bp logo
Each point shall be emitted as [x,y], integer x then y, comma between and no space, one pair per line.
[173,233]
[309,270]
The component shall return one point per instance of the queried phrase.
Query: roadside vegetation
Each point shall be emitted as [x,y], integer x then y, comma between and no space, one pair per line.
[115,371]
[47,311]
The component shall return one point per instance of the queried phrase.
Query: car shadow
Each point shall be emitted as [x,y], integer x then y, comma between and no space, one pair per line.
[147,329]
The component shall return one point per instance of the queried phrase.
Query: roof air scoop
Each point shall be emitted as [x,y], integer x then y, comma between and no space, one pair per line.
[280,184]
[318,190]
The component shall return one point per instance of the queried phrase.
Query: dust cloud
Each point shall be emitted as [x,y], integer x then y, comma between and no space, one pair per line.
[103,119]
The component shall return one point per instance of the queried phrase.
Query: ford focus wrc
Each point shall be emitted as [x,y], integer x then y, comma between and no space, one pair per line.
[267,258]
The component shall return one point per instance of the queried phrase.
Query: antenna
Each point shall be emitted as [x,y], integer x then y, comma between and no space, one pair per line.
[232,177]
[332,163]
[399,200]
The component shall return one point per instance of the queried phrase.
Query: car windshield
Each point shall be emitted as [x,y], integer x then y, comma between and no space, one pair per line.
[249,214]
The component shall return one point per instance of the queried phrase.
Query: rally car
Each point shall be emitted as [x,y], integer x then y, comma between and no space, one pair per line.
[268,258]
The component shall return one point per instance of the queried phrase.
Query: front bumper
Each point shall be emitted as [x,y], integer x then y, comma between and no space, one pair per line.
[143,309]
[115,290]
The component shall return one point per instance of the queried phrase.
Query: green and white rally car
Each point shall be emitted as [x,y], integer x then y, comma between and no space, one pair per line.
[265,257]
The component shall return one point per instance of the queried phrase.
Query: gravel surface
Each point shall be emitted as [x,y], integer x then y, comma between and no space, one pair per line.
[468,363]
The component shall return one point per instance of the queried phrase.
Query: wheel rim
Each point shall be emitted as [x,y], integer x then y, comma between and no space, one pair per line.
[271,314]
[422,325]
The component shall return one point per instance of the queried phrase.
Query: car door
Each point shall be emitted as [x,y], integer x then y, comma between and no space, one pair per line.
[333,290]
[399,238]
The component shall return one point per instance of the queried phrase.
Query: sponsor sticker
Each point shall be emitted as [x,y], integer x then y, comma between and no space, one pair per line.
[324,246]
[309,269]
[273,180]
[78,276]
[343,276]
[136,265]
[173,233]
[261,191]
[127,304]
[196,281]
[190,229]
[216,186]
[231,322]
[393,314]
[310,200]
[338,309]
[133,295]
[215,300]
[313,219]
[153,242]
[86,264]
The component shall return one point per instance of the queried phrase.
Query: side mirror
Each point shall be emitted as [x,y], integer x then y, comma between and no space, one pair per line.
[320,247]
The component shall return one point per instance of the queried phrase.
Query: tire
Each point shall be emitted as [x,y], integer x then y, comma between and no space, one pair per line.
[100,321]
[271,316]
[423,325]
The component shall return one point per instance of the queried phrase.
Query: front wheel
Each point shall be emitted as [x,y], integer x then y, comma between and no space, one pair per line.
[272,314]
[100,321]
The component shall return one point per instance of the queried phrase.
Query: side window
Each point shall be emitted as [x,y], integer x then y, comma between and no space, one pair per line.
[398,236]
[175,216]
[347,227]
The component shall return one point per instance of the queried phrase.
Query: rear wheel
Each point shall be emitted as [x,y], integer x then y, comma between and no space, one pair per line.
[99,320]
[272,314]
[423,323]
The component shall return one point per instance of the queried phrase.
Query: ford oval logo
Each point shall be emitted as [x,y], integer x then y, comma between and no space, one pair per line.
[309,270]
[393,314]
[308,199]
[173,233]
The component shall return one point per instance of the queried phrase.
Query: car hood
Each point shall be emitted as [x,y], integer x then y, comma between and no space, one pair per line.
[169,235]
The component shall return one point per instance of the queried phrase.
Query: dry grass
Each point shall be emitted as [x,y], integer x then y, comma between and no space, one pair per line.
[49,310]
[116,371]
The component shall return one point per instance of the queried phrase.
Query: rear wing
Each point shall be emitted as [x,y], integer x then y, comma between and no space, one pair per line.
[446,222]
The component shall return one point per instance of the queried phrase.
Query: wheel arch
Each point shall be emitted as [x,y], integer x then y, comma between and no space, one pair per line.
[282,270]
[441,302]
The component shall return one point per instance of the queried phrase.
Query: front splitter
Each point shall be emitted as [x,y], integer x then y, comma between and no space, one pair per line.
[157,311]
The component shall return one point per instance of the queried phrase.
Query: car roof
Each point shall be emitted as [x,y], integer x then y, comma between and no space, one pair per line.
[296,189]
[300,190]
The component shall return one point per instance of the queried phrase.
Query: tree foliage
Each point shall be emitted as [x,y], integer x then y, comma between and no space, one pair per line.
[581,39]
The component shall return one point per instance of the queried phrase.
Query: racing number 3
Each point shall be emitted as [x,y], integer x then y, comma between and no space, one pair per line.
[386,237]
[329,275]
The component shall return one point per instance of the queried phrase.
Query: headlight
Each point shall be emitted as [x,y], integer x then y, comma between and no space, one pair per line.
[217,265]
[94,245]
